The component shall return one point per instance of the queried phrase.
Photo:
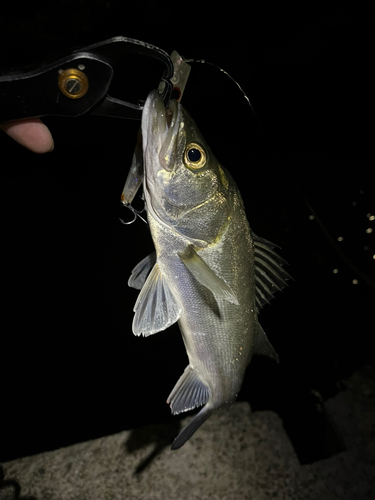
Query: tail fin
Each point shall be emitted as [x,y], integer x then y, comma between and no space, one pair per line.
[192,426]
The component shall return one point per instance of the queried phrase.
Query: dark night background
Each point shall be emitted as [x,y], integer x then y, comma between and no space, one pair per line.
[70,367]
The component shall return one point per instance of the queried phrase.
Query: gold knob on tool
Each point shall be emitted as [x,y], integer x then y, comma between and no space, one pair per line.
[73,83]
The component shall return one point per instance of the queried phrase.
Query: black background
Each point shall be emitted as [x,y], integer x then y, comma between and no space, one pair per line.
[71,368]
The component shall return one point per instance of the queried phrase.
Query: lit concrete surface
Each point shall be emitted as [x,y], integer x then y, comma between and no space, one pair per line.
[236,455]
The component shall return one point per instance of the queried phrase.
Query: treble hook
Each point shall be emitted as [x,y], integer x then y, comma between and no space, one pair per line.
[136,213]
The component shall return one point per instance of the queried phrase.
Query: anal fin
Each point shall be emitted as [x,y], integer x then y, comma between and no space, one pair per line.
[188,393]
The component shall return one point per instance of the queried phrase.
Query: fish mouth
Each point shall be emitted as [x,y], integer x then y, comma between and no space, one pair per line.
[160,129]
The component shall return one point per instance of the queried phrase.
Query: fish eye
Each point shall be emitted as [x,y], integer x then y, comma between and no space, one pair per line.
[195,156]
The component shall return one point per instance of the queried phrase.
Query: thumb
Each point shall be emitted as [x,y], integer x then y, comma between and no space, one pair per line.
[31,133]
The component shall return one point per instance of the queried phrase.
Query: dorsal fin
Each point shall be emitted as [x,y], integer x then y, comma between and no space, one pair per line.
[263,346]
[270,276]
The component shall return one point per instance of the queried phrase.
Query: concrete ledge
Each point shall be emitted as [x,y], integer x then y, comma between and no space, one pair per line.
[237,454]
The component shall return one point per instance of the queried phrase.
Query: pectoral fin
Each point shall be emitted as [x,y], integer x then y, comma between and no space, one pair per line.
[156,308]
[206,277]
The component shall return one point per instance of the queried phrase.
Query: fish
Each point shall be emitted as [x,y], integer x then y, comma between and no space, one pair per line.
[209,272]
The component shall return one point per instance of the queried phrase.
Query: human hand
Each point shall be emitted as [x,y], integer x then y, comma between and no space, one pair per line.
[31,133]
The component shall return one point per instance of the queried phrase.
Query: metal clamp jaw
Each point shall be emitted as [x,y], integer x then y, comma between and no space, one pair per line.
[84,82]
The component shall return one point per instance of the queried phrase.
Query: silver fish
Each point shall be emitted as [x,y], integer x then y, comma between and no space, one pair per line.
[210,272]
